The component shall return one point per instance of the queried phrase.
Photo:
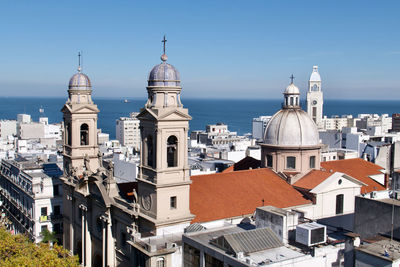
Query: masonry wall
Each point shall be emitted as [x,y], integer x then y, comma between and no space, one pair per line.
[374,217]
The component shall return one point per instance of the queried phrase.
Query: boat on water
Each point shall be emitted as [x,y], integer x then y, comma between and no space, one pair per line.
[126,101]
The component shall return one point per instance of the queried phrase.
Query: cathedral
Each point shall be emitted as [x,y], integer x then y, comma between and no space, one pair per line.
[141,223]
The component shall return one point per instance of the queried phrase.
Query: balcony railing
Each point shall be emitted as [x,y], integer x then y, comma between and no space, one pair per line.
[44,218]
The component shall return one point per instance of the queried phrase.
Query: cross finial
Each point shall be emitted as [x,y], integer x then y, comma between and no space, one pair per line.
[164,41]
[79,61]
[291,78]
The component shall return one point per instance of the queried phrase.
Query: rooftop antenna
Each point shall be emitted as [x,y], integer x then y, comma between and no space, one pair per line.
[291,78]
[164,56]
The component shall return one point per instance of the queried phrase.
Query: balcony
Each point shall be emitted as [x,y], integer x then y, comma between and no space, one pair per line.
[44,218]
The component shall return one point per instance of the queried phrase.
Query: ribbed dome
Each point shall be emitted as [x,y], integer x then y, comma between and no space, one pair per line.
[79,81]
[292,89]
[291,127]
[164,74]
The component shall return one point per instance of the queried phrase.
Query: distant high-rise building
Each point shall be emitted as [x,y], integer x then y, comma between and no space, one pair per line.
[396,122]
[315,99]
[127,131]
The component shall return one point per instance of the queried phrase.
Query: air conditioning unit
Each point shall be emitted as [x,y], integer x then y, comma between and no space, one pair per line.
[310,234]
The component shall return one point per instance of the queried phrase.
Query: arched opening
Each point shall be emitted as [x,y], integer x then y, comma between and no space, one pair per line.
[160,262]
[68,134]
[172,151]
[149,151]
[84,134]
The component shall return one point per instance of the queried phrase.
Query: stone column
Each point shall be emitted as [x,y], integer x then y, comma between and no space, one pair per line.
[104,219]
[110,244]
[83,238]
[88,242]
[202,260]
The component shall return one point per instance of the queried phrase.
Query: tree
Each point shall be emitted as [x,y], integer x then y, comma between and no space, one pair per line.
[17,250]
[49,237]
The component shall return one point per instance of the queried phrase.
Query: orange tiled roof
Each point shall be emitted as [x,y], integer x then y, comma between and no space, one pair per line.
[359,169]
[225,195]
[229,169]
[312,179]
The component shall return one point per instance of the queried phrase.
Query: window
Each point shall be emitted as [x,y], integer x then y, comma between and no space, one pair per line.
[43,211]
[269,161]
[291,101]
[339,204]
[172,157]
[160,262]
[312,162]
[84,134]
[123,239]
[291,163]
[44,228]
[173,202]
[55,190]
[149,151]
[68,133]
[57,228]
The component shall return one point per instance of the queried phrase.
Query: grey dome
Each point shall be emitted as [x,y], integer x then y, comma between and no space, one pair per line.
[79,81]
[291,127]
[164,74]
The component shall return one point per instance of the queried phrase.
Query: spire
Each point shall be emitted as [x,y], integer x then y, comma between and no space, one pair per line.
[79,61]
[164,56]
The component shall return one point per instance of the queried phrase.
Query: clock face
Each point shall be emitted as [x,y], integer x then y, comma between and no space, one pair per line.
[146,202]
[314,102]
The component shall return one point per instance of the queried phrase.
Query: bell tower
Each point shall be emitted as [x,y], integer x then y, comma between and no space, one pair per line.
[164,182]
[315,98]
[80,127]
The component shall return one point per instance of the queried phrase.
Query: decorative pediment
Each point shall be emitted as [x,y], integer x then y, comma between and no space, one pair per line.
[337,181]
[174,115]
[85,109]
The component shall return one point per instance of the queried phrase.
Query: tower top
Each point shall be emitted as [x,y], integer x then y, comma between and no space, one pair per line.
[315,77]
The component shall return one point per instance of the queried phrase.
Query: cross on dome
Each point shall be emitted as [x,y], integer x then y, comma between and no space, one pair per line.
[164,56]
[291,78]
[79,61]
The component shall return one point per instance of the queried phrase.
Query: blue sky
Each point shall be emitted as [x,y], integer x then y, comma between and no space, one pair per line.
[223,49]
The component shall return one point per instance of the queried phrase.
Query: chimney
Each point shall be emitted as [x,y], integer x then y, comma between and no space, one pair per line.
[386,183]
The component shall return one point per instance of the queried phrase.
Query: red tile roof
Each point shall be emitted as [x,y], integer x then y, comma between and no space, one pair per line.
[226,195]
[312,179]
[359,169]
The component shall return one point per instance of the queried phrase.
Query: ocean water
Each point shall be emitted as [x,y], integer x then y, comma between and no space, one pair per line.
[237,114]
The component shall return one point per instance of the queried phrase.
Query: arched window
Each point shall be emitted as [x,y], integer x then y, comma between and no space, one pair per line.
[68,134]
[160,262]
[84,134]
[149,151]
[172,151]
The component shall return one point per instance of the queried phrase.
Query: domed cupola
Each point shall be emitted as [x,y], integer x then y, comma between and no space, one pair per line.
[80,87]
[164,75]
[291,136]
[79,81]
[292,96]
[164,85]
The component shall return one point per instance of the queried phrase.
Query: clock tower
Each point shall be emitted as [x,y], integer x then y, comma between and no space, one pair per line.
[163,180]
[315,98]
